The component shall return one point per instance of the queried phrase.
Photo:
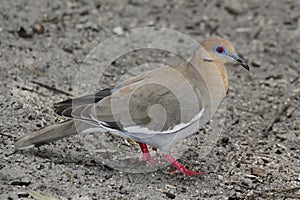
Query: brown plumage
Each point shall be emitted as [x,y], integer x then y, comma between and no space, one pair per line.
[157,108]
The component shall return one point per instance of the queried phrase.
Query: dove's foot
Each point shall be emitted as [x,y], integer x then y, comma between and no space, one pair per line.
[146,156]
[179,167]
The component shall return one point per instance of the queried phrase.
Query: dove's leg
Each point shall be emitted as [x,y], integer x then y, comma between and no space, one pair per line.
[145,151]
[146,155]
[179,167]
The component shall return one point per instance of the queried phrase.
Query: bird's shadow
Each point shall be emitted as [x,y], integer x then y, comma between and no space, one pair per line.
[65,157]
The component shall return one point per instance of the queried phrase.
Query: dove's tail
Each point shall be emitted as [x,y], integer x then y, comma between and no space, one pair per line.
[46,135]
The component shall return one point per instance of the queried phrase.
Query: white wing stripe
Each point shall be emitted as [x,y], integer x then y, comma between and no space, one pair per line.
[139,129]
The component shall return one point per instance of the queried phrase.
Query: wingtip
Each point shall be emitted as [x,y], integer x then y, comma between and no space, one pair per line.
[19,145]
[23,143]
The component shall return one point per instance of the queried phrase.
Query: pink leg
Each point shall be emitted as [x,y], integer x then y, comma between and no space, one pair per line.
[179,167]
[146,155]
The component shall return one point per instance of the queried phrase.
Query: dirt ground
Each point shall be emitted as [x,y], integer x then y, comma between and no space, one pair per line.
[256,157]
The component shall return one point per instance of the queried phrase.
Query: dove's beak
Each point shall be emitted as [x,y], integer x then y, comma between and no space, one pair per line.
[240,61]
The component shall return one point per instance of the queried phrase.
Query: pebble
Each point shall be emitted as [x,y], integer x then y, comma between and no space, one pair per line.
[23,33]
[38,28]
[118,30]
[258,172]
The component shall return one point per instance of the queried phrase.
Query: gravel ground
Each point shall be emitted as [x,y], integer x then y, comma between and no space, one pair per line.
[256,157]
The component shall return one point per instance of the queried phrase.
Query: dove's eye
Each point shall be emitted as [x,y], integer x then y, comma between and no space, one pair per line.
[220,50]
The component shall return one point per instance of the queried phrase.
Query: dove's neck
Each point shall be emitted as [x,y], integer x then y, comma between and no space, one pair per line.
[211,69]
[222,70]
[211,75]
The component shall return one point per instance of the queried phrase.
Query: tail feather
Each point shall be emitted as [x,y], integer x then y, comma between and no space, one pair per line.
[46,135]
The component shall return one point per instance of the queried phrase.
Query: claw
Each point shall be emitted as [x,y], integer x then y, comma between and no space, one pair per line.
[180,168]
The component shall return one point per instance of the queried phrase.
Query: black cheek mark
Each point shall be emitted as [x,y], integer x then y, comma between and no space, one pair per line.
[207,60]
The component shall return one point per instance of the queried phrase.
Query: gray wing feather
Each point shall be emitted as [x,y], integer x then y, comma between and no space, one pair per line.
[144,102]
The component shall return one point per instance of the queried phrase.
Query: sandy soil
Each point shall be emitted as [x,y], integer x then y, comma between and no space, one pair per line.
[256,157]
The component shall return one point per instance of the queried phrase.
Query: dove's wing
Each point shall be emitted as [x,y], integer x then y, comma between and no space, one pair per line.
[144,104]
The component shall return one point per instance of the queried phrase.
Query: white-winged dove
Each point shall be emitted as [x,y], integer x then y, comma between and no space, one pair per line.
[157,108]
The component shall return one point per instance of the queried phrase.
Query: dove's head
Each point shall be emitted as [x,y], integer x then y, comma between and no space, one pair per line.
[222,51]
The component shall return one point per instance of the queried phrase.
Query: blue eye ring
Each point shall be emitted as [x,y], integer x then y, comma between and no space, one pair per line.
[220,50]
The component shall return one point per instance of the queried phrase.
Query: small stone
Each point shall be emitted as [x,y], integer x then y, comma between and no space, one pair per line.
[23,195]
[20,183]
[236,7]
[225,141]
[258,172]
[23,33]
[118,30]
[38,28]
[170,195]
[289,111]
[255,64]
[151,23]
